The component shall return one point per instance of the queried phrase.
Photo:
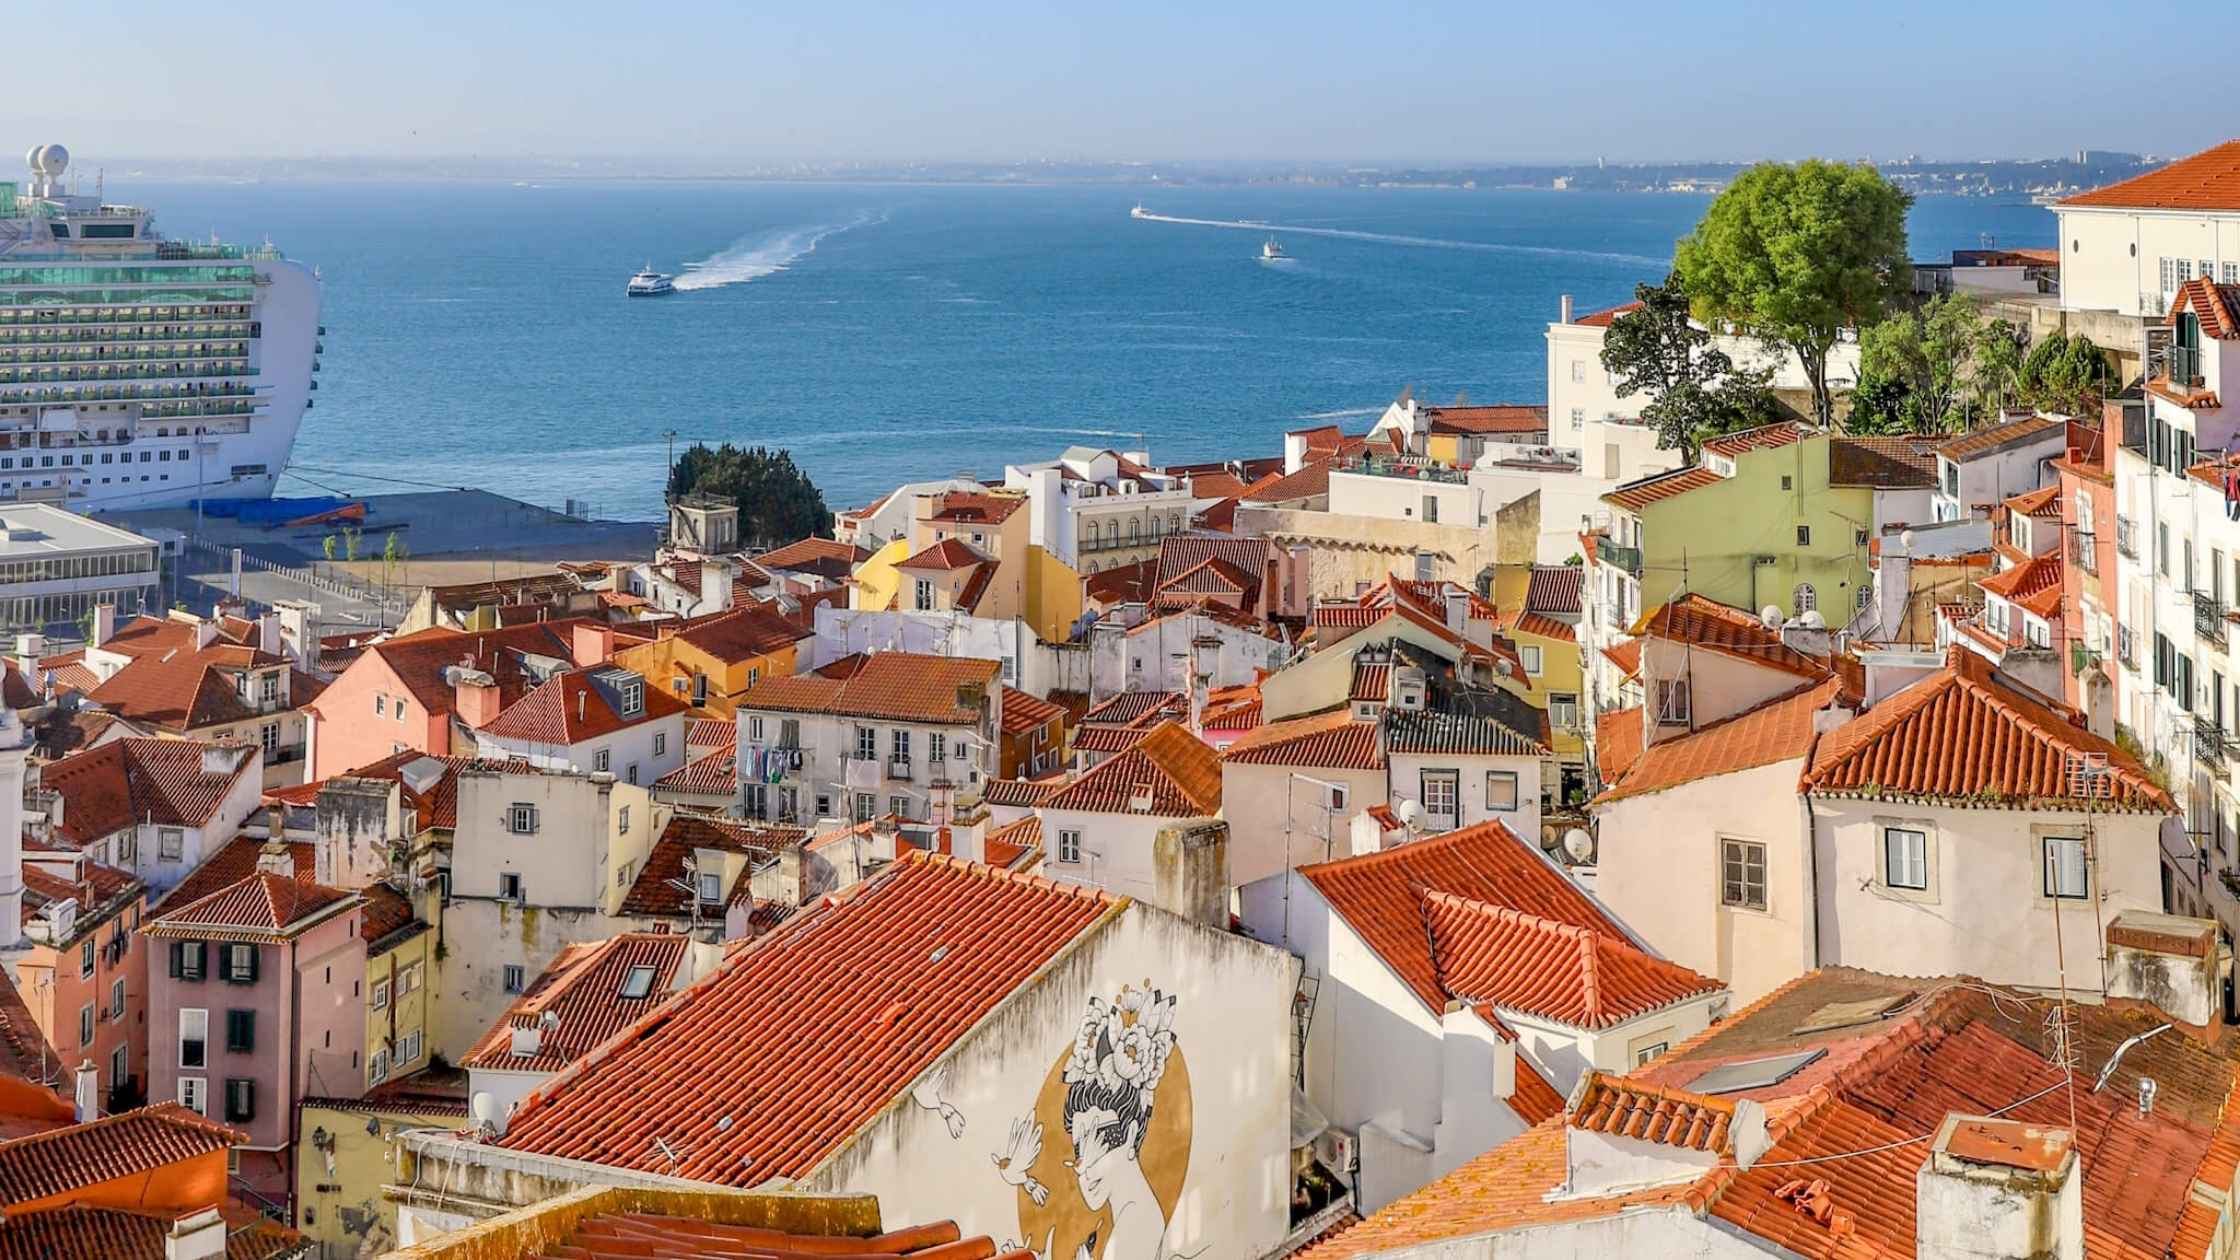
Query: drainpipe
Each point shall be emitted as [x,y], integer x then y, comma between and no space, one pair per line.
[1810,857]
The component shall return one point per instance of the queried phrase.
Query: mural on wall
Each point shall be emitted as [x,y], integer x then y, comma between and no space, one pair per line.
[1116,1111]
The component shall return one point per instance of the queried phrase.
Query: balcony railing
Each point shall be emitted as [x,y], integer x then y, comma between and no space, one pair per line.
[1619,555]
[2084,550]
[2127,534]
[2185,366]
[2208,619]
[898,768]
[2209,741]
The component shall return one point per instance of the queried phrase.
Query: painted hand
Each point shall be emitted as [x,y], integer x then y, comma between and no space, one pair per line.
[1016,1166]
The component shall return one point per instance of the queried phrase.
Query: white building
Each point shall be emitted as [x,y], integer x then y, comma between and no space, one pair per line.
[603,720]
[155,807]
[1029,664]
[55,566]
[1206,646]
[1102,829]
[1098,509]
[2127,248]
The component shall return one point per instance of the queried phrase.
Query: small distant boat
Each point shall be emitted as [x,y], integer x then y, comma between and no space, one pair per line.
[650,283]
[1272,252]
[1139,212]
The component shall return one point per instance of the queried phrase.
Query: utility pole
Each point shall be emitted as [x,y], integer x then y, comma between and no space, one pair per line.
[669,469]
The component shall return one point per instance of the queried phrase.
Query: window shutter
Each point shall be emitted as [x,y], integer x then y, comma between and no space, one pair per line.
[201,958]
[178,959]
[251,975]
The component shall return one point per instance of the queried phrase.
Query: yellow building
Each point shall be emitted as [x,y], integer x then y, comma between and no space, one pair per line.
[400,963]
[875,582]
[1538,607]
[1053,596]
[711,664]
[346,1155]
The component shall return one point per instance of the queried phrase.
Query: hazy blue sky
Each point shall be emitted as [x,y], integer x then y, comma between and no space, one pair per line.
[998,79]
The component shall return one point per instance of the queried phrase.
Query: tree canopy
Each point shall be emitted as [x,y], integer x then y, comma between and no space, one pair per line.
[1696,392]
[777,502]
[1934,369]
[2067,374]
[1793,255]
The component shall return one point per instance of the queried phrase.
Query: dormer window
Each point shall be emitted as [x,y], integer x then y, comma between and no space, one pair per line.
[711,887]
[1720,464]
[633,699]
[639,983]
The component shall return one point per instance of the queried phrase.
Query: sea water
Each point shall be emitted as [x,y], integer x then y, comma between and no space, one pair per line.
[478,333]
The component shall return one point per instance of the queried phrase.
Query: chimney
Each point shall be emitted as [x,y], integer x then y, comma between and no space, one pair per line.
[199,1236]
[474,695]
[789,876]
[88,1092]
[268,633]
[29,648]
[1190,870]
[2172,963]
[1458,611]
[1563,310]
[715,586]
[1999,1190]
[104,623]
[273,858]
[590,643]
[219,759]
[205,632]
[527,1040]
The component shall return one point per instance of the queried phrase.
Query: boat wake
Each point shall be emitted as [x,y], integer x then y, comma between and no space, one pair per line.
[752,257]
[1389,238]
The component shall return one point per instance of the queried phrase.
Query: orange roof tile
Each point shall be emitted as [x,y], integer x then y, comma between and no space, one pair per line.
[573,707]
[657,893]
[1312,480]
[1626,656]
[2035,584]
[1380,894]
[140,780]
[1906,462]
[234,861]
[2210,303]
[122,1145]
[1617,742]
[1023,713]
[711,733]
[629,1236]
[744,633]
[183,689]
[973,508]
[2208,180]
[1622,1108]
[1544,626]
[819,555]
[1706,623]
[1137,708]
[2000,435]
[1015,792]
[1497,418]
[714,772]
[1765,437]
[1177,771]
[1467,734]
[1010,847]
[949,553]
[1326,741]
[419,659]
[115,1233]
[1555,588]
[261,905]
[1657,487]
[1558,971]
[579,1001]
[1775,731]
[2043,503]
[797,1040]
[895,686]
[1605,317]
[1961,735]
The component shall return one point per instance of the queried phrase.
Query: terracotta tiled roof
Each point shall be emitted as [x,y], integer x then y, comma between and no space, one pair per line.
[655,891]
[1380,895]
[98,888]
[1499,418]
[2211,303]
[1108,739]
[1372,680]
[1023,713]
[1778,730]
[1312,480]
[579,1001]
[1986,439]
[1884,463]
[1697,621]
[1180,774]
[2043,503]
[1617,742]
[1323,741]
[711,733]
[1622,1108]
[1555,588]
[797,1040]
[971,508]
[627,1236]
[1657,487]
[571,708]
[1232,708]
[233,862]
[1015,792]
[1540,967]
[183,689]
[387,919]
[949,553]
[1180,553]
[438,802]
[1210,576]
[113,1233]
[122,1145]
[1544,626]
[140,780]
[2035,584]
[1603,318]
[1121,584]
[715,771]
[1130,708]
[1467,734]
[744,634]
[1765,437]
[1011,846]
[24,1052]
[894,686]
[1626,656]
[819,555]
[261,904]
[2208,180]
[1962,735]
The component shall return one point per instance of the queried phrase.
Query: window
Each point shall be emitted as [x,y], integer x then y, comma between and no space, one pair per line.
[1531,655]
[1578,371]
[1439,788]
[509,886]
[867,744]
[380,705]
[622,819]
[1742,874]
[194,1038]
[1804,534]
[1905,858]
[638,983]
[757,800]
[521,820]
[515,979]
[1069,846]
[901,745]
[408,978]
[85,960]
[268,738]
[410,1051]
[194,1094]
[268,688]
[189,959]
[867,807]
[1805,599]
[241,1031]
[899,806]
[377,1069]
[1431,508]
[1501,790]
[1672,700]
[116,1000]
[937,747]
[1648,1052]
[925,595]
[710,886]
[381,995]
[1864,598]
[1563,710]
[171,843]
[600,760]
[660,743]
[1578,419]
[85,1024]
[789,733]
[2065,867]
[240,963]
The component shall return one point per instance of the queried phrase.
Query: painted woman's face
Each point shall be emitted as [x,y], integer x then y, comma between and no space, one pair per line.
[1093,1161]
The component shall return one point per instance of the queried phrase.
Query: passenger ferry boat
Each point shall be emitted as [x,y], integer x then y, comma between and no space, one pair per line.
[650,283]
[1272,252]
[137,371]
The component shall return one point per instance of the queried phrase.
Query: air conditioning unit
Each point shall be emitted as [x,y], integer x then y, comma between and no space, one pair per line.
[1341,1152]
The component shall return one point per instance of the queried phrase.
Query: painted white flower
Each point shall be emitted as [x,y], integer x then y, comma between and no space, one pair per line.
[1132,1055]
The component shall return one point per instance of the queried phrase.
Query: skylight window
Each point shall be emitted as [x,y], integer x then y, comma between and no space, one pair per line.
[638,983]
[1753,1073]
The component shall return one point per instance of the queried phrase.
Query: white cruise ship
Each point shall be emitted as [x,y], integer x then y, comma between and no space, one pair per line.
[137,371]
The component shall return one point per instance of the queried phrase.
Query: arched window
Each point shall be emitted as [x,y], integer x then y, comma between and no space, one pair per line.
[1806,599]
[1157,523]
[1866,596]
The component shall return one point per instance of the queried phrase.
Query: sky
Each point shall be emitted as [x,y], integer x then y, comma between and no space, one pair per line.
[742,83]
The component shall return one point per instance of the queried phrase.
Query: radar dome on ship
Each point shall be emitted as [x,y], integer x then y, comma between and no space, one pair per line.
[50,160]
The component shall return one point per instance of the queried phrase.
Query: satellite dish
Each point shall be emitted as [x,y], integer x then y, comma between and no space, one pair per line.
[48,161]
[483,1107]
[1907,538]
[1409,812]
[1812,620]
[1770,617]
[1579,845]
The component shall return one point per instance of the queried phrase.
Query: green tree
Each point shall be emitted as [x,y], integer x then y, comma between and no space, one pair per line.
[1793,255]
[393,553]
[1695,390]
[2064,373]
[1933,369]
[777,502]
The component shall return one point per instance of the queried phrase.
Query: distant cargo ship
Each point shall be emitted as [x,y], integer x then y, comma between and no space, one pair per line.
[137,371]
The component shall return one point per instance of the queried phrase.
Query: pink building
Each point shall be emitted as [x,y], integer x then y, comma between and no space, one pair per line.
[256,1000]
[2089,594]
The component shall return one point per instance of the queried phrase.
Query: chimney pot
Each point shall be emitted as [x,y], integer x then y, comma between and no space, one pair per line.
[1564,315]
[1996,1189]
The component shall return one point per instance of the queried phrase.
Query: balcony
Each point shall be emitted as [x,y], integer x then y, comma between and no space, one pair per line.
[2208,619]
[898,768]
[2127,534]
[1618,555]
[2084,550]
[2185,366]
[2209,742]
[1411,469]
